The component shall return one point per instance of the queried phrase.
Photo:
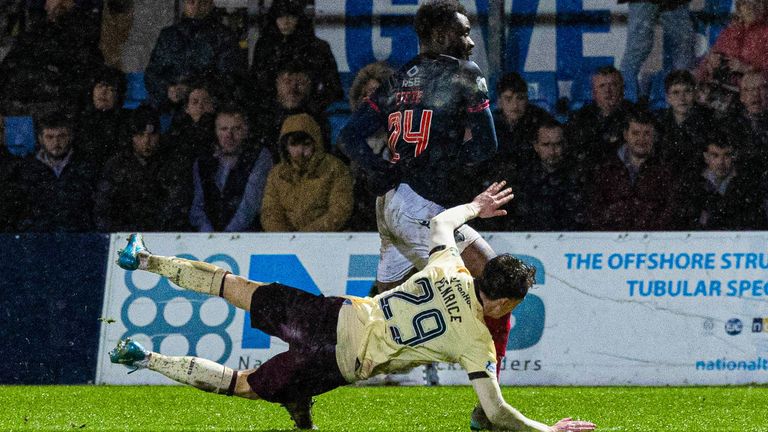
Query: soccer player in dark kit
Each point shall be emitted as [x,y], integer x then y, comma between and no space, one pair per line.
[436,111]
[436,315]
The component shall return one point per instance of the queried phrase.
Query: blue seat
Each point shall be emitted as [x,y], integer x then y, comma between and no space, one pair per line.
[136,92]
[338,114]
[20,135]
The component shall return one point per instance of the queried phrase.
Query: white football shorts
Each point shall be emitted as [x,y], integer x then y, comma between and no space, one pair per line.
[403,217]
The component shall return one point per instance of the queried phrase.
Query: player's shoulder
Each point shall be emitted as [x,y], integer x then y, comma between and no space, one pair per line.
[465,66]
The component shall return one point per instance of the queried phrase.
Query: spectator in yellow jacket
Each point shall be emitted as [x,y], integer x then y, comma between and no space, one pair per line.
[309,190]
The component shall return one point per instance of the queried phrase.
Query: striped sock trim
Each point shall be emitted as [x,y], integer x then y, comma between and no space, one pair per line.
[231,388]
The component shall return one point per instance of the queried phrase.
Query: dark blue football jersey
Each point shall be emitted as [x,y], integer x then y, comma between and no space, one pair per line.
[426,106]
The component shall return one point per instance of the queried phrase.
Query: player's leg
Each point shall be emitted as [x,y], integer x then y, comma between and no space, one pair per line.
[197,372]
[196,276]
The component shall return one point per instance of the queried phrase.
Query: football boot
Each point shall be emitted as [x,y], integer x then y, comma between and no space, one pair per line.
[301,413]
[130,353]
[128,258]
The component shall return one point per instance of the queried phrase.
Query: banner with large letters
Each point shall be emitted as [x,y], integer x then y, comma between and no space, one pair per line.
[607,308]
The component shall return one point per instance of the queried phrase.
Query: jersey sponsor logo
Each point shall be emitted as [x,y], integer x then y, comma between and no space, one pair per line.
[482,85]
[413,71]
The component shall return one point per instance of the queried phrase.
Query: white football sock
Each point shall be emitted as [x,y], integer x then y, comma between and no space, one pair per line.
[195,371]
[192,275]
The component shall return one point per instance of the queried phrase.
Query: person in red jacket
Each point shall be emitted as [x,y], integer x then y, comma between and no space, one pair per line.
[741,46]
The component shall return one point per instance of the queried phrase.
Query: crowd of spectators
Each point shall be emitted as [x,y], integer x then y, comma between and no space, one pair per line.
[220,147]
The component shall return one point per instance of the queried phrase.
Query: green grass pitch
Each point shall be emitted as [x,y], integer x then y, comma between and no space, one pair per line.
[389,409]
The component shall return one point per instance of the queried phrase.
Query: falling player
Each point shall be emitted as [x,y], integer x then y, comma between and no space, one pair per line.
[437,315]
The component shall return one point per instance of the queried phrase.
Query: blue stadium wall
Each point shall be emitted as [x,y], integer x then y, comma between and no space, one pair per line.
[52,291]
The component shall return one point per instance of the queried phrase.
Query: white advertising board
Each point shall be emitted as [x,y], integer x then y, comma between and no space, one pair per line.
[607,309]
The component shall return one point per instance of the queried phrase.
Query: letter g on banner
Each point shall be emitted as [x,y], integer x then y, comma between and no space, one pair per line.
[529,315]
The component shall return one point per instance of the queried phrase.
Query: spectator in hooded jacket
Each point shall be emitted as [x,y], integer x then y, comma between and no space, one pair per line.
[289,37]
[309,190]
[101,122]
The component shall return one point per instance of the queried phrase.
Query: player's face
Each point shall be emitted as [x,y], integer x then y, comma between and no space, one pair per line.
[640,138]
[753,92]
[549,146]
[56,142]
[104,97]
[145,143]
[199,103]
[231,130]
[500,307]
[513,105]
[680,98]
[607,91]
[719,160]
[287,24]
[454,38]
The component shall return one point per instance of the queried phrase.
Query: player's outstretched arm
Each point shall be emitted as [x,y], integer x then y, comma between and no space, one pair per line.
[485,205]
[505,417]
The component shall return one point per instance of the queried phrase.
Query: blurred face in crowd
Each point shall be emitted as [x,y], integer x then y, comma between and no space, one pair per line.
[453,38]
[753,93]
[56,142]
[749,11]
[287,24]
[680,98]
[199,103]
[549,146]
[639,138]
[719,160]
[145,142]
[197,8]
[104,96]
[292,89]
[607,91]
[300,150]
[231,130]
[56,8]
[513,105]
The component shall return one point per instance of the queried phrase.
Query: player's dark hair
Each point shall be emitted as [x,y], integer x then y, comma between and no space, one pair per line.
[680,76]
[54,121]
[640,116]
[512,81]
[435,14]
[506,277]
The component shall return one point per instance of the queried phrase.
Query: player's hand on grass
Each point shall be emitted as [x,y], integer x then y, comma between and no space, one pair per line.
[570,425]
[488,202]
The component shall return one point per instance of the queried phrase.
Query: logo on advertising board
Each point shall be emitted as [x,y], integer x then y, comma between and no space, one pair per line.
[760,325]
[162,311]
[733,326]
